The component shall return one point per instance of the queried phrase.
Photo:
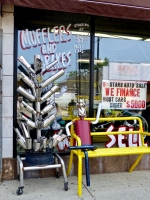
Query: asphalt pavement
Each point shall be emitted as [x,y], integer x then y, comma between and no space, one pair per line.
[110,186]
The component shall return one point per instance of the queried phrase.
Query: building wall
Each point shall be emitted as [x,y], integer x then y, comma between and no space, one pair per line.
[7,24]
[97,165]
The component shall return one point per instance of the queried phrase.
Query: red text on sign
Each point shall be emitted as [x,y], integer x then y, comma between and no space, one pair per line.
[136,104]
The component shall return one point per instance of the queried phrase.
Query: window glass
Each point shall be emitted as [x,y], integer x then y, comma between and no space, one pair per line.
[121,59]
[56,36]
[121,63]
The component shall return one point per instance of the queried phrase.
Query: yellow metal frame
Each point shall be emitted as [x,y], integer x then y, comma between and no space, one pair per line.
[99,152]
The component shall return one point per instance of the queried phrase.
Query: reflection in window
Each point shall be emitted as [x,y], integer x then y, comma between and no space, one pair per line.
[116,50]
[68,43]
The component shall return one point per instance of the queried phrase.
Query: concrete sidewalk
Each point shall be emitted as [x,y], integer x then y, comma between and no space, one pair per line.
[112,186]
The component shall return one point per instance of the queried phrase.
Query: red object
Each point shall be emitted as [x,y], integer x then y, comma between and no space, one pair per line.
[56,131]
[83,131]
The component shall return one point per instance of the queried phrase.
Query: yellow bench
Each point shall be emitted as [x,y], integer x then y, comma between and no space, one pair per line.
[140,150]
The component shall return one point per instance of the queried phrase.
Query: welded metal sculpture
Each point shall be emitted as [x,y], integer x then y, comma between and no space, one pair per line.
[37,98]
[33,79]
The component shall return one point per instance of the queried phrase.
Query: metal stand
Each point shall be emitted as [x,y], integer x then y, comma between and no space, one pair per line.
[85,150]
[21,169]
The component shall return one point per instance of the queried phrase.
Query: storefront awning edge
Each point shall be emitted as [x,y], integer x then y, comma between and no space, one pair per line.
[110,8]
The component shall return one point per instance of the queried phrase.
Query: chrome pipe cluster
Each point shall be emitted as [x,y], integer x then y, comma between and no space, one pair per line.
[34,79]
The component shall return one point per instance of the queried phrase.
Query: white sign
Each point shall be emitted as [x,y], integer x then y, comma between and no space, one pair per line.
[124,71]
[129,71]
[124,95]
[122,140]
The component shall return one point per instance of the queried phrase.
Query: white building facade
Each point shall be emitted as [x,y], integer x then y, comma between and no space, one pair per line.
[8,142]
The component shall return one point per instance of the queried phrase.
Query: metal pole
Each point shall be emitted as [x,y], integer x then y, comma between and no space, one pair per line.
[87,169]
[97,74]
[92,45]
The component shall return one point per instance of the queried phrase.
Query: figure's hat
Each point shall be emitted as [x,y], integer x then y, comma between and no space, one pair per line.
[80,102]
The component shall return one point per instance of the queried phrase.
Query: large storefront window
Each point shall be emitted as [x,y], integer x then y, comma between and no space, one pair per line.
[121,65]
[63,37]
[121,54]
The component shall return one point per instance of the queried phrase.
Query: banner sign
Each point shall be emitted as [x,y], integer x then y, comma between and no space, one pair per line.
[129,71]
[124,95]
[124,71]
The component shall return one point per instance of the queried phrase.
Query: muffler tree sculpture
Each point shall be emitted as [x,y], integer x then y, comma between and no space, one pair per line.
[33,78]
[38,99]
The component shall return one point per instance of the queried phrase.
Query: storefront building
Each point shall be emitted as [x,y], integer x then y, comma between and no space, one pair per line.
[92,41]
